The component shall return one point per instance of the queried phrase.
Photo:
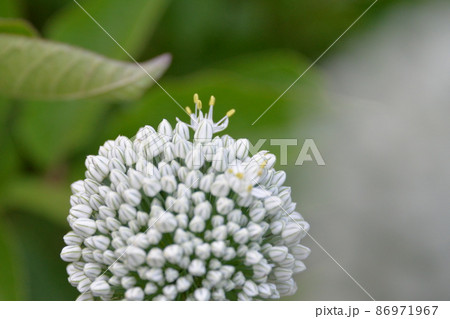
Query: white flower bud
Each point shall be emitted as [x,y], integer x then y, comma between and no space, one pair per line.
[118,269]
[195,159]
[282,274]
[168,184]
[132,197]
[134,294]
[171,275]
[182,130]
[206,183]
[151,186]
[300,252]
[239,278]
[202,294]
[278,253]
[197,268]
[77,187]
[250,288]
[84,285]
[277,227]
[264,290]
[81,211]
[241,236]
[166,223]
[91,186]
[109,257]
[182,148]
[218,248]
[220,188]
[113,200]
[155,275]
[153,236]
[101,242]
[220,233]
[155,258]
[84,227]
[220,160]
[72,239]
[272,203]
[278,178]
[117,163]
[255,231]
[299,266]
[242,147]
[135,256]
[291,233]
[150,288]
[253,257]
[224,205]
[181,205]
[127,213]
[100,288]
[203,251]
[128,282]
[204,132]
[164,128]
[183,284]
[173,253]
[71,253]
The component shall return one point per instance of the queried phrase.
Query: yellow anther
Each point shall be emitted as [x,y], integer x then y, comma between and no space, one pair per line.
[199,104]
[263,164]
[249,188]
[260,172]
[195,98]
[230,170]
[212,100]
[240,175]
[231,112]
[188,110]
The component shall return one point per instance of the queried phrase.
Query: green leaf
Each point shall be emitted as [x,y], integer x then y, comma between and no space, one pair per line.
[43,198]
[130,24]
[17,27]
[10,8]
[40,243]
[9,161]
[50,132]
[38,69]
[12,279]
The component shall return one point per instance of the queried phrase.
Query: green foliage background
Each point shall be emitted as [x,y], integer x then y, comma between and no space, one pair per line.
[246,53]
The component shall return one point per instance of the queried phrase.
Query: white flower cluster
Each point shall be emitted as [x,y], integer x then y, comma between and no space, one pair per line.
[162,217]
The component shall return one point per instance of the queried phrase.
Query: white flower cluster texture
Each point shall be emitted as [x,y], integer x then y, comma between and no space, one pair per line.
[166,217]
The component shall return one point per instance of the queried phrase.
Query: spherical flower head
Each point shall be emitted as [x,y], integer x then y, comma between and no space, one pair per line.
[166,217]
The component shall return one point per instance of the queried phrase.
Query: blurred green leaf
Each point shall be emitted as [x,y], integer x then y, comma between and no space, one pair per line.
[10,8]
[9,161]
[17,27]
[40,243]
[130,23]
[43,198]
[38,69]
[49,132]
[12,279]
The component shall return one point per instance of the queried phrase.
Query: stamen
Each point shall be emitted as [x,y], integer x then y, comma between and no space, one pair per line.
[263,164]
[249,188]
[195,98]
[212,100]
[199,104]
[230,170]
[240,175]
[231,112]
[188,110]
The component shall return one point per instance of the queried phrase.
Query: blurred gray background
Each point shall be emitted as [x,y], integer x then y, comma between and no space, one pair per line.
[381,205]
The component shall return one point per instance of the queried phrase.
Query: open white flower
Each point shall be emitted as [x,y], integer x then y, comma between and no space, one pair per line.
[164,217]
